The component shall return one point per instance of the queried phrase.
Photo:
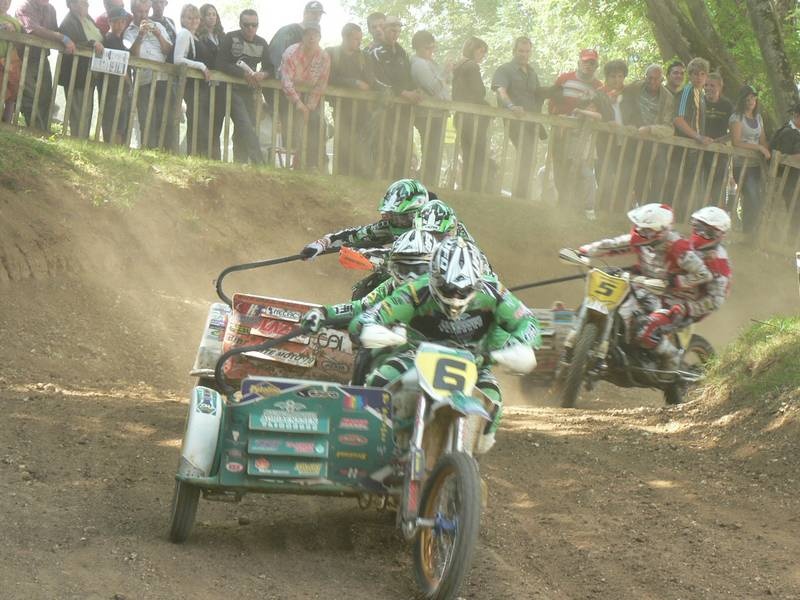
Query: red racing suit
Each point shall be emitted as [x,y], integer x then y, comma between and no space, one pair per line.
[700,301]
[670,258]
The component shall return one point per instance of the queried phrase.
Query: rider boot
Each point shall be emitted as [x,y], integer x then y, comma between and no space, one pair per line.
[669,356]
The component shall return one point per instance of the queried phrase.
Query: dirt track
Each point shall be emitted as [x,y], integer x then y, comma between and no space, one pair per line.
[102,308]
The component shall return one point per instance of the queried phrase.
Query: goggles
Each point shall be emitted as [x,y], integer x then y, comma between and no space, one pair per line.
[704,230]
[401,219]
[453,292]
[406,270]
[647,233]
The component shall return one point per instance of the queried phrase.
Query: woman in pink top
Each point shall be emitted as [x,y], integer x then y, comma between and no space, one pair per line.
[305,64]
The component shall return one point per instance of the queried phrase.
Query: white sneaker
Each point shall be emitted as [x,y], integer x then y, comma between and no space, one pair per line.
[590,215]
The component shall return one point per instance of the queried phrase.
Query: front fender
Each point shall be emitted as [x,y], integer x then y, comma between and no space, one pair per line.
[465,405]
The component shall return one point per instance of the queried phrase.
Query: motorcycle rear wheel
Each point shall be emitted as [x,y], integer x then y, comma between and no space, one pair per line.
[443,554]
[184,509]
[576,372]
[699,349]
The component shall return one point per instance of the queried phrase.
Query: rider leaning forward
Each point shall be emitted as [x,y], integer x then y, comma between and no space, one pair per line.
[664,254]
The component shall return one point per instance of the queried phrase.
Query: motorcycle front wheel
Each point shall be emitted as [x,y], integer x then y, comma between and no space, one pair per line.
[443,553]
[576,371]
[184,509]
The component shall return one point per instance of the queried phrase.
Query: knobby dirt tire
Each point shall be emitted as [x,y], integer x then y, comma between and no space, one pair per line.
[576,372]
[184,509]
[703,350]
[468,485]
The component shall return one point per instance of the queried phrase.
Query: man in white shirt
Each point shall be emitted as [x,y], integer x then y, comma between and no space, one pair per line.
[149,40]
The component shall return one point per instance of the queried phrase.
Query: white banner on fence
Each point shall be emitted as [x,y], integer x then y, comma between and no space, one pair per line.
[112,61]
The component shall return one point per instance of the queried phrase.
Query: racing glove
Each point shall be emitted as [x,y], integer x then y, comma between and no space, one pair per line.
[315,248]
[313,320]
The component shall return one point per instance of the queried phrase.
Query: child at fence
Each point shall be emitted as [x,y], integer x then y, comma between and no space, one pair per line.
[9,23]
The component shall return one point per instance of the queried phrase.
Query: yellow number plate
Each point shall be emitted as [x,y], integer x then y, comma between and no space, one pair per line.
[441,372]
[605,288]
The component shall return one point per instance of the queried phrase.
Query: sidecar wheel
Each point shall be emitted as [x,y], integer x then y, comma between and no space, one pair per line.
[443,554]
[184,509]
[576,371]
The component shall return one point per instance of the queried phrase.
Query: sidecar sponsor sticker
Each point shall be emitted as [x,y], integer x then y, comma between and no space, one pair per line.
[352,402]
[288,446]
[234,467]
[346,454]
[353,473]
[354,424]
[299,422]
[282,467]
[284,314]
[284,356]
[265,390]
[272,328]
[353,439]
[206,401]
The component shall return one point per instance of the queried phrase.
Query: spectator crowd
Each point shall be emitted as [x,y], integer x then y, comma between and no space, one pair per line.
[687,101]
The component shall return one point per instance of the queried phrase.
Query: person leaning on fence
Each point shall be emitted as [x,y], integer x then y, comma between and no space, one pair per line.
[648,106]
[210,34]
[240,54]
[38,18]
[609,104]
[747,131]
[787,141]
[149,40]
[434,82]
[392,73]
[189,51]
[293,33]
[570,89]
[81,29]
[9,23]
[118,19]
[518,90]
[690,122]
[305,63]
[349,70]
[103,21]
[473,130]
[718,113]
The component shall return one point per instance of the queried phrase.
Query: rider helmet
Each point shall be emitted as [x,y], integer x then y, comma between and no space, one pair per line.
[651,223]
[410,255]
[401,202]
[437,218]
[709,226]
[457,268]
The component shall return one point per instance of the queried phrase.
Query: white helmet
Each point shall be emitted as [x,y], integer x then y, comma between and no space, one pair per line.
[410,255]
[709,226]
[650,222]
[457,268]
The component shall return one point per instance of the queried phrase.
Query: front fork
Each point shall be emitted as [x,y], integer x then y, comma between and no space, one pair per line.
[415,470]
[601,346]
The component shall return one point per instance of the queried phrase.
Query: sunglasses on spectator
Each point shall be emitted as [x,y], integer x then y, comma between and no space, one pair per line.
[246,24]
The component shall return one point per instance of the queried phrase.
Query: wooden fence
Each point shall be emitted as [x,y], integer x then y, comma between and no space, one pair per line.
[450,146]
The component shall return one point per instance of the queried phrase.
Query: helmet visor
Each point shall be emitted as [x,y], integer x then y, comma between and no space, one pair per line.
[704,230]
[647,233]
[404,220]
[452,292]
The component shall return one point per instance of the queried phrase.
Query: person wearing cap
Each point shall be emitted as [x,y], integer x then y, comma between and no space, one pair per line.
[103,21]
[38,18]
[117,19]
[570,90]
[307,64]
[293,33]
[391,69]
[240,54]
[518,90]
[81,29]
[375,23]
[747,131]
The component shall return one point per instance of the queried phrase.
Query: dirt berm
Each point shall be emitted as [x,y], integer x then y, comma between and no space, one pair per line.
[106,268]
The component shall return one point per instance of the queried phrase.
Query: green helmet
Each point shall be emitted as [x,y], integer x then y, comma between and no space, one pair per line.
[437,218]
[401,202]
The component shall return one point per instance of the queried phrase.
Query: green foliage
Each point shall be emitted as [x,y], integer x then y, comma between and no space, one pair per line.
[763,360]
